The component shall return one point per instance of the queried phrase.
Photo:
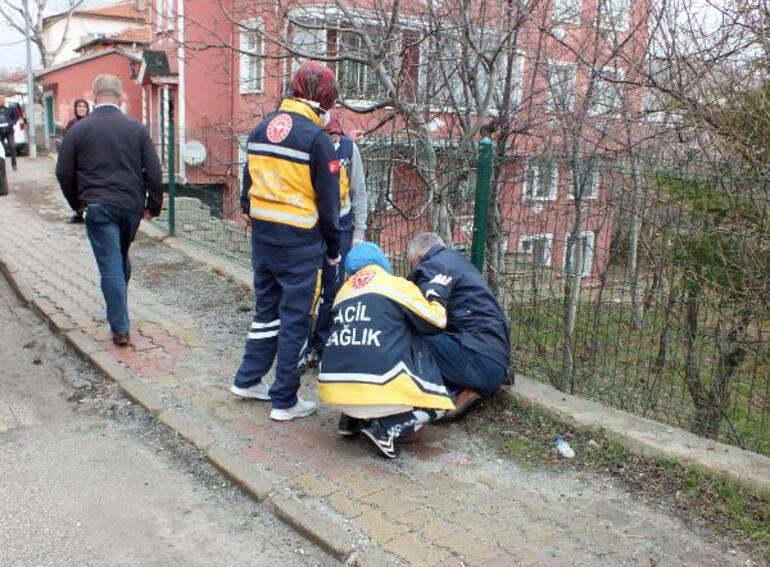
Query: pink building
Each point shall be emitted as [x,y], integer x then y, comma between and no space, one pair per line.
[210,68]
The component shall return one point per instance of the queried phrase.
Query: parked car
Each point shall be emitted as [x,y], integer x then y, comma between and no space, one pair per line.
[20,132]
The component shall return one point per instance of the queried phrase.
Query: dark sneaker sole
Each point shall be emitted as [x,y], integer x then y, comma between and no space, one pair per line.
[384,449]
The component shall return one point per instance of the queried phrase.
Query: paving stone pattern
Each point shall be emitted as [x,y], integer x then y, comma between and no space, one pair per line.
[447,501]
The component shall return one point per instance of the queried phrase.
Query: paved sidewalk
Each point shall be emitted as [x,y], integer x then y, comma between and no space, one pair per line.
[447,501]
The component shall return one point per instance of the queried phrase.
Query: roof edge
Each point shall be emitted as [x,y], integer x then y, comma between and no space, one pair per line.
[89,57]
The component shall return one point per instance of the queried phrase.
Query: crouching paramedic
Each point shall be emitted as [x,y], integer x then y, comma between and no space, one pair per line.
[474,352]
[291,201]
[376,367]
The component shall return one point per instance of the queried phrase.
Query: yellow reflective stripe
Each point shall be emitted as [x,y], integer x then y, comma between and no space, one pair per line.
[279,151]
[262,213]
[344,189]
[317,292]
[401,291]
[400,391]
[282,191]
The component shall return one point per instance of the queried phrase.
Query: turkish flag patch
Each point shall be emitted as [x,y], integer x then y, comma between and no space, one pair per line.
[334,166]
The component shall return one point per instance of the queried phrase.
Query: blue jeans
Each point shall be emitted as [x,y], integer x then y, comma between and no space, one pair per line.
[111,231]
[463,368]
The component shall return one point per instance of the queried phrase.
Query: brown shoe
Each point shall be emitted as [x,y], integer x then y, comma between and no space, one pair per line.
[120,339]
[415,437]
[463,402]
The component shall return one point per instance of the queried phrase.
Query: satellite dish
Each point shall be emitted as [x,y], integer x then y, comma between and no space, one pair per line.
[194,153]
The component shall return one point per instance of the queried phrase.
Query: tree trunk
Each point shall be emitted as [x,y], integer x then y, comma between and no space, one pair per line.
[692,378]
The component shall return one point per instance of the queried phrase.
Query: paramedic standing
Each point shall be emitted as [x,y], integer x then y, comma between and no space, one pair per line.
[291,200]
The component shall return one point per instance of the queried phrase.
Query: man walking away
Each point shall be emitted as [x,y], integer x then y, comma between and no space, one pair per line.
[8,118]
[108,167]
[474,352]
[291,201]
[353,212]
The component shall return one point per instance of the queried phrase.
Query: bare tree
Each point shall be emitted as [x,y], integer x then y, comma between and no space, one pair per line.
[12,12]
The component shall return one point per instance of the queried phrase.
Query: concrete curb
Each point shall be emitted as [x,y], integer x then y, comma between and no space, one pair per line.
[647,437]
[312,525]
[191,425]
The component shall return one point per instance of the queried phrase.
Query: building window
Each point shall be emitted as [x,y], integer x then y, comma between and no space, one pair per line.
[613,14]
[308,40]
[586,182]
[607,92]
[357,81]
[540,247]
[170,9]
[540,178]
[561,86]
[567,11]
[252,57]
[586,240]
[158,15]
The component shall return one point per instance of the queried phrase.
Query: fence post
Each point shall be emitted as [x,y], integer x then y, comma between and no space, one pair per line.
[171,178]
[483,175]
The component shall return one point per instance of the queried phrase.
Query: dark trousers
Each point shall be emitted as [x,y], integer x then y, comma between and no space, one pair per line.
[403,424]
[331,281]
[3,179]
[287,284]
[8,136]
[111,231]
[463,368]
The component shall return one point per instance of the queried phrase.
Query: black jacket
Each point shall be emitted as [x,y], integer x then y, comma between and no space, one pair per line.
[473,315]
[108,158]
[8,117]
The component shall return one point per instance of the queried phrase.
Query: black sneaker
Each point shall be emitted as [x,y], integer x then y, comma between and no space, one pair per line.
[384,441]
[349,425]
[76,219]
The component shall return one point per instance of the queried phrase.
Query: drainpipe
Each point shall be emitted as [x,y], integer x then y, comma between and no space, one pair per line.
[181,106]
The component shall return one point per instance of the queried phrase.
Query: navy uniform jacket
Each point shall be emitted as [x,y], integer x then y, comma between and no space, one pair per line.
[291,181]
[109,159]
[474,317]
[375,354]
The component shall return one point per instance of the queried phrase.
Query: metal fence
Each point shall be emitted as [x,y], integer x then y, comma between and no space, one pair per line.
[641,282]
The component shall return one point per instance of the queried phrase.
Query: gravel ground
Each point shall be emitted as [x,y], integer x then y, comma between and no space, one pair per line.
[88,478]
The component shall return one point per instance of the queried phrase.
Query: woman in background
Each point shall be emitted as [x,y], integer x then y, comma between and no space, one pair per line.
[81,110]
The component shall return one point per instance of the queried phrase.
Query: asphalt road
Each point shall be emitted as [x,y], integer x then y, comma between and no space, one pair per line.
[87,478]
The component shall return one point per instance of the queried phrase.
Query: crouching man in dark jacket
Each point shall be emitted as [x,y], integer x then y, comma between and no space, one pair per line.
[376,367]
[474,351]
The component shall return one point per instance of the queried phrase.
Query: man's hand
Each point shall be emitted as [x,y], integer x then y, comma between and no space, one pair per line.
[246,220]
[334,261]
[146,215]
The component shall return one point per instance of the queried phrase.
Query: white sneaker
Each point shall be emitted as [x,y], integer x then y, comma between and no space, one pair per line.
[302,408]
[256,392]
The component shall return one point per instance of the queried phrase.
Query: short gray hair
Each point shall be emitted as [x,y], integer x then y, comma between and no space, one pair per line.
[420,244]
[107,85]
